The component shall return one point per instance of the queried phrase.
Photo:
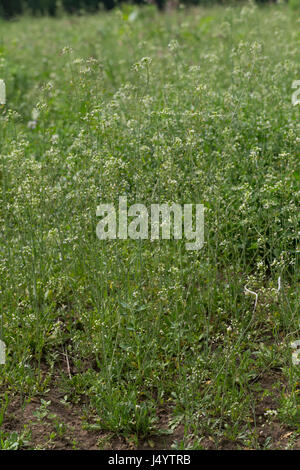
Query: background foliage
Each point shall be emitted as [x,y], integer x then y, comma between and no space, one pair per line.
[9,8]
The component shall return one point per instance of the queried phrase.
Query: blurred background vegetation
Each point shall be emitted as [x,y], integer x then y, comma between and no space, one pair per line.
[10,8]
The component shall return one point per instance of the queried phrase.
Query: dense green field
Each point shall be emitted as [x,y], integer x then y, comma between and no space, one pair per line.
[129,344]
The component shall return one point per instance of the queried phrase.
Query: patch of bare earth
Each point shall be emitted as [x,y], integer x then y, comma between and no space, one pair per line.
[64,426]
[267,399]
[73,432]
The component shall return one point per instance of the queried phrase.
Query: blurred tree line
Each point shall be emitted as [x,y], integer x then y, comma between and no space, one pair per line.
[9,8]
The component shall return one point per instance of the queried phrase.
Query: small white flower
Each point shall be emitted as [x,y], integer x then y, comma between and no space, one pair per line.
[35,114]
[54,138]
[270,413]
[31,124]
[173,45]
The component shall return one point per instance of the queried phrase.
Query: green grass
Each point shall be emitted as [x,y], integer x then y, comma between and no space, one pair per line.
[144,341]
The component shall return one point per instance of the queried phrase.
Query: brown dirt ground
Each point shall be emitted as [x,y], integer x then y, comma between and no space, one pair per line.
[78,436]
